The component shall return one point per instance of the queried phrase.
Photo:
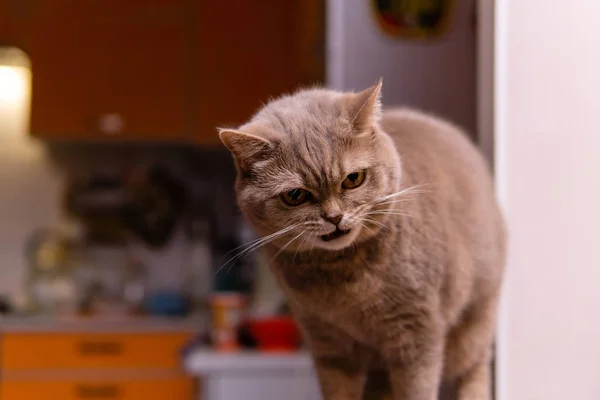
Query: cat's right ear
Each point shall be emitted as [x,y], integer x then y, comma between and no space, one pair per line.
[365,107]
[245,148]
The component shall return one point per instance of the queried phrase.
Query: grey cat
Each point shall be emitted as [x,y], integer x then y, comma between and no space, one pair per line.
[385,235]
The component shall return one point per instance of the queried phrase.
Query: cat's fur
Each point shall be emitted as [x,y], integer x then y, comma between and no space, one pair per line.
[413,288]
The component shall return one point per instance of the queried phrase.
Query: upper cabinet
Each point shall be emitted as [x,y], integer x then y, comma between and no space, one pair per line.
[169,70]
[245,52]
[6,22]
[107,68]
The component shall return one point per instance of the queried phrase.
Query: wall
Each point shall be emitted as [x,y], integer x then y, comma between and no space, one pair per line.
[437,76]
[548,164]
[29,184]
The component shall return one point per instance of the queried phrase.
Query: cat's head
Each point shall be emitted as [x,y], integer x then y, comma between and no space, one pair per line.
[314,168]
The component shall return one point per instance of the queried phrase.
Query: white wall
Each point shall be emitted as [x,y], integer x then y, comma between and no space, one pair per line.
[29,183]
[548,164]
[436,75]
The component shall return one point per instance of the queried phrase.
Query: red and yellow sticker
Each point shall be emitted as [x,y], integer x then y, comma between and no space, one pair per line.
[413,19]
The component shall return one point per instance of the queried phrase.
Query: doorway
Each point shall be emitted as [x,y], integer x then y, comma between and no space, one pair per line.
[451,76]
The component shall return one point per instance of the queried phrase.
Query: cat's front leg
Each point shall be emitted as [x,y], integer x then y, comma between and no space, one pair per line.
[340,364]
[420,381]
[340,377]
[415,369]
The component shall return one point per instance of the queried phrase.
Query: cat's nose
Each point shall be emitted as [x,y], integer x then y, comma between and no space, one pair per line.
[334,219]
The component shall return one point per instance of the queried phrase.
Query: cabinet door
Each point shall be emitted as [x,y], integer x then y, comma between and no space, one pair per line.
[245,52]
[105,68]
[100,387]
[78,351]
[6,22]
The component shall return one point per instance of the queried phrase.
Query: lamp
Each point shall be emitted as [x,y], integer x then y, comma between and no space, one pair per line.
[15,91]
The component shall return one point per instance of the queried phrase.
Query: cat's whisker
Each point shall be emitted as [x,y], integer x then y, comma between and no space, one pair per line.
[248,244]
[363,225]
[302,244]
[311,249]
[310,234]
[256,244]
[404,192]
[286,245]
[266,240]
[271,236]
[400,196]
[243,253]
[375,222]
[260,239]
[384,212]
[393,201]
[284,230]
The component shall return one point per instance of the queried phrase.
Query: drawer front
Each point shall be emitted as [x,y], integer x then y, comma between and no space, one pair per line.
[183,388]
[91,350]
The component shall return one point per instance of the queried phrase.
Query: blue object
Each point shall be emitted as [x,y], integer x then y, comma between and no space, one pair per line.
[167,304]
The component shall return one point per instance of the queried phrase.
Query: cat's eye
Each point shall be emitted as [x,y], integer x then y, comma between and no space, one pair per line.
[294,197]
[354,180]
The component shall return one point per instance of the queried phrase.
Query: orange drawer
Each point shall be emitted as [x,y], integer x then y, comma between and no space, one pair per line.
[91,350]
[183,388]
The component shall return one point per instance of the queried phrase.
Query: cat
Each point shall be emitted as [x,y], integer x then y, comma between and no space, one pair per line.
[383,231]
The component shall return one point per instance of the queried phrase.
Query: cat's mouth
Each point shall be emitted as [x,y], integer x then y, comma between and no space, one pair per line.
[338,233]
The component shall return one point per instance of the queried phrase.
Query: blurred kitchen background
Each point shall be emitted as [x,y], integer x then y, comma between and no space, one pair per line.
[118,223]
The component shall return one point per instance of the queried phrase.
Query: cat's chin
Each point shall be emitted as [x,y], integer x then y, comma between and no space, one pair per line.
[337,240]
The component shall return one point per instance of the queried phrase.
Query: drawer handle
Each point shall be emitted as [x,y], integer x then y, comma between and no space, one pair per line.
[106,391]
[91,348]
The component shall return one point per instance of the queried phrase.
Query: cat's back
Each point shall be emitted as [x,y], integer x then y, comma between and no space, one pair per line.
[438,154]
[426,143]
[458,190]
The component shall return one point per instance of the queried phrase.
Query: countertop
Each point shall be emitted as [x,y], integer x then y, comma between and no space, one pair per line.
[253,375]
[123,324]
[206,361]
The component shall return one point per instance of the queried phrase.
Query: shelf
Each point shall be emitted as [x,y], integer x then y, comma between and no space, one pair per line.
[206,361]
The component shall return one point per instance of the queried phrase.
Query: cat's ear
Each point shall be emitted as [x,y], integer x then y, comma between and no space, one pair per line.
[245,148]
[365,107]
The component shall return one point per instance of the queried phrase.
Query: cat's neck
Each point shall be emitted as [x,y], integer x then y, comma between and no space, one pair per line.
[322,268]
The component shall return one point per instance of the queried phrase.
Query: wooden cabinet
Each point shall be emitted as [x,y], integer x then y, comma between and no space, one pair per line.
[22,351]
[108,68]
[99,387]
[163,69]
[67,365]
[160,69]
[6,22]
[245,52]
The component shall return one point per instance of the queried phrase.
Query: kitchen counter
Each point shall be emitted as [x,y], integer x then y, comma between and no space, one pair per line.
[253,375]
[204,361]
[102,324]
[223,376]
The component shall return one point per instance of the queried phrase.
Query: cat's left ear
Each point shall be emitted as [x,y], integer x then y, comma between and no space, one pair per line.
[365,107]
[245,148]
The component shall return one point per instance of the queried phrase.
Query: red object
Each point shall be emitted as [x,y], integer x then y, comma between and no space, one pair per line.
[277,334]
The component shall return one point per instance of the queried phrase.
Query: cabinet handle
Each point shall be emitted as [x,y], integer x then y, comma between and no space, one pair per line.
[98,391]
[104,348]
[111,124]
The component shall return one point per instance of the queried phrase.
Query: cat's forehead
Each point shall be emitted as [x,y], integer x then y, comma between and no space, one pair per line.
[312,112]
[318,168]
